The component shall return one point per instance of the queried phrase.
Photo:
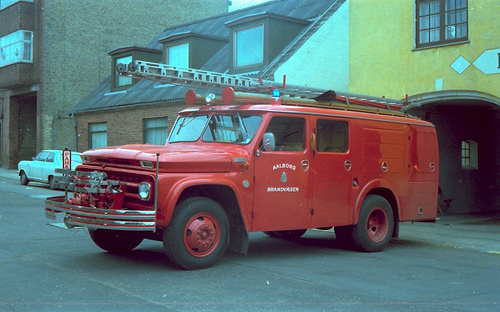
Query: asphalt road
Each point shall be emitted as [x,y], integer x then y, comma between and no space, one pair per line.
[43,268]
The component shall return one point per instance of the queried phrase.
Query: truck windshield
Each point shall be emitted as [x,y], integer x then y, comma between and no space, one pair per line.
[229,128]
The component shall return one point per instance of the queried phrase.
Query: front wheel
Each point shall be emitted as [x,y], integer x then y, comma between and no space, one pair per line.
[115,241]
[376,223]
[197,235]
[23,178]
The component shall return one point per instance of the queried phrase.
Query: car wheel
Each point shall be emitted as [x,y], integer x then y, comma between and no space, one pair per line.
[375,225]
[52,183]
[115,241]
[23,178]
[197,235]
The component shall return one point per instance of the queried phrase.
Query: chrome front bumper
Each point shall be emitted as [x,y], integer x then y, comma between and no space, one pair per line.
[98,218]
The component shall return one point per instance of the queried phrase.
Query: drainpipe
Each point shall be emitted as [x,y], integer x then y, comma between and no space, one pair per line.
[76,131]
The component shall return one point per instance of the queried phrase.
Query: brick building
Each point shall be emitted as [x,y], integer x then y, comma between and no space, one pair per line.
[52,53]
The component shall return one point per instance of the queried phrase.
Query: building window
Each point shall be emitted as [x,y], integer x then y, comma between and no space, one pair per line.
[441,21]
[249,46]
[16,47]
[6,3]
[98,135]
[178,55]
[156,131]
[469,155]
[121,81]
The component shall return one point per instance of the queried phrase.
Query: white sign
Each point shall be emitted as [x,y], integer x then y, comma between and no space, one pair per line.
[489,62]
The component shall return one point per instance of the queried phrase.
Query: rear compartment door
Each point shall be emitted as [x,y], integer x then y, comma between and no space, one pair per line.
[332,174]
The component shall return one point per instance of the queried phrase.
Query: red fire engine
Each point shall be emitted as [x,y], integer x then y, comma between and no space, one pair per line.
[248,162]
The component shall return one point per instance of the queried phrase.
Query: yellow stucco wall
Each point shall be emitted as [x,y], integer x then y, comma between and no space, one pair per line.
[383,60]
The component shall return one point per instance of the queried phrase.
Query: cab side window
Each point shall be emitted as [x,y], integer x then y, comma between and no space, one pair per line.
[289,133]
[332,136]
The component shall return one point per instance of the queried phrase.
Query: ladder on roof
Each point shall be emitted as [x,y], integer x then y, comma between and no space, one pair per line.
[196,77]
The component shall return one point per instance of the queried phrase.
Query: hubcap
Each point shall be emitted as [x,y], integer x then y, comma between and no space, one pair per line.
[377,225]
[201,235]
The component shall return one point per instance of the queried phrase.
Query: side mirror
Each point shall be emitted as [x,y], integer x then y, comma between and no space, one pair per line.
[269,143]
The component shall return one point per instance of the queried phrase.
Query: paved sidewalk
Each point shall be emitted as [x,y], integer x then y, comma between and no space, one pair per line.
[468,231]
[9,173]
[478,232]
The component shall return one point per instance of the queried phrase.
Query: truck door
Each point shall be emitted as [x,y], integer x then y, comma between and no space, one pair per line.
[331,169]
[282,188]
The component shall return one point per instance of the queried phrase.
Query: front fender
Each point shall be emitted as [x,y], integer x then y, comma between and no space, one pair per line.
[166,204]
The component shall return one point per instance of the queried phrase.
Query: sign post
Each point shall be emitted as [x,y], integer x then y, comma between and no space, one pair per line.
[67,159]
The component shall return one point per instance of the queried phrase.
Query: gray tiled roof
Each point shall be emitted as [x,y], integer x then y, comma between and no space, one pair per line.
[146,92]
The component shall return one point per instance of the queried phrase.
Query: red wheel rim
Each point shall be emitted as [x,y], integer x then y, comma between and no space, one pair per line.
[377,225]
[202,234]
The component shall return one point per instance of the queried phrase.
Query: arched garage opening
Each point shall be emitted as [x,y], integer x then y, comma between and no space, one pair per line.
[468,129]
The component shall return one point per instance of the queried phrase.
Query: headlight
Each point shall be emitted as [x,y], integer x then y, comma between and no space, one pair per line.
[144,190]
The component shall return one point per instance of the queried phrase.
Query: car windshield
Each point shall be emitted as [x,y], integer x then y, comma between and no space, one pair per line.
[229,128]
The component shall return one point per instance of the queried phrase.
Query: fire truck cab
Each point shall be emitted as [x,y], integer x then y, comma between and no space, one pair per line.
[280,167]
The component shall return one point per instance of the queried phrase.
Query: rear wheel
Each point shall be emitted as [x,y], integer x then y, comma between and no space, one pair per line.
[115,241]
[376,223]
[23,178]
[197,235]
[52,183]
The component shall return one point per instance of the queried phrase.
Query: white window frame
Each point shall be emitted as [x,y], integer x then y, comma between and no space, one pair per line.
[247,53]
[469,156]
[98,135]
[155,130]
[16,47]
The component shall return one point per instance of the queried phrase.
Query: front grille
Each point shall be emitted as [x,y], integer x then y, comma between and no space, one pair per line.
[131,183]
[128,182]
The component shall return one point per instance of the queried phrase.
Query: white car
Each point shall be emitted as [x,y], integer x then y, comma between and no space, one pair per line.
[42,167]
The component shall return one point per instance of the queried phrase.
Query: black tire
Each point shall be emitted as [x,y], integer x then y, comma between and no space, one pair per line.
[23,178]
[375,225]
[115,241]
[289,235]
[52,183]
[202,216]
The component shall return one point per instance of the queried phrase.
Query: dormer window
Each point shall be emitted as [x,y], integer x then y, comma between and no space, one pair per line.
[249,46]
[125,55]
[189,49]
[257,39]
[178,55]
[121,81]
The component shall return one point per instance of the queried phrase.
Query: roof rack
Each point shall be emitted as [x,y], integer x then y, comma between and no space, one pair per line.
[255,90]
